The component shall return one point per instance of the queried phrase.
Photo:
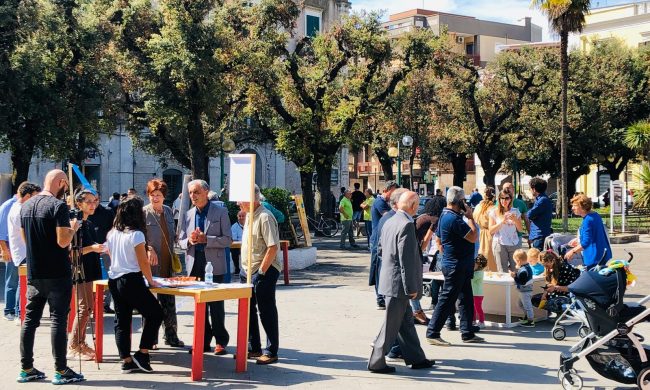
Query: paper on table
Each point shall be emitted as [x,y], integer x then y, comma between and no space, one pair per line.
[241,169]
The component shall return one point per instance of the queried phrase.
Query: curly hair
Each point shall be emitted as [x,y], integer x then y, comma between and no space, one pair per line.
[480,263]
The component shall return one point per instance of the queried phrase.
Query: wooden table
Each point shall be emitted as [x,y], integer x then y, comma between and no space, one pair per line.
[241,292]
[284,244]
[498,292]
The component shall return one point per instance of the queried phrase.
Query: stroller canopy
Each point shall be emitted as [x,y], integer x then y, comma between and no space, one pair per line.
[603,289]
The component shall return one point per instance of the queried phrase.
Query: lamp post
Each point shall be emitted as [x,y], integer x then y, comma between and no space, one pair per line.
[407,141]
[226,146]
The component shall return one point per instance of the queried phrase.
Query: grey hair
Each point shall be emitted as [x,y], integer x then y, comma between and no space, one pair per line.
[394,197]
[213,195]
[201,183]
[404,199]
[455,194]
[258,194]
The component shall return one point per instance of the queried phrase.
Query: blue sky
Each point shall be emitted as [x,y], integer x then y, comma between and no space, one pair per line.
[507,11]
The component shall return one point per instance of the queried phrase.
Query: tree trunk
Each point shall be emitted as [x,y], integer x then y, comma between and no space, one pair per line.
[196,140]
[324,182]
[458,161]
[306,182]
[22,150]
[491,164]
[615,168]
[386,163]
[564,70]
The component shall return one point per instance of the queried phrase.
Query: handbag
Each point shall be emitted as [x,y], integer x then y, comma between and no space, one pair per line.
[177,267]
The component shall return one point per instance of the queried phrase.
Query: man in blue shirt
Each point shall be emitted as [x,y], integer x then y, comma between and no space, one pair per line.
[456,238]
[11,272]
[540,215]
[379,208]
[475,198]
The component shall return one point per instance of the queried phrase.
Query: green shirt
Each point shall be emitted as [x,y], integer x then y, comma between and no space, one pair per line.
[346,205]
[477,283]
[366,212]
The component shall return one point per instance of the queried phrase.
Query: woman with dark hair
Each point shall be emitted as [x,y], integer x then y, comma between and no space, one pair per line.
[481,216]
[90,270]
[129,267]
[161,236]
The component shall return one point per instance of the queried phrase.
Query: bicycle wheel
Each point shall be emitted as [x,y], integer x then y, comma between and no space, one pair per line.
[329,227]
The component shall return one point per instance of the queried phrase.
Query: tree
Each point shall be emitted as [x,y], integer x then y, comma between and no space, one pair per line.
[319,90]
[565,16]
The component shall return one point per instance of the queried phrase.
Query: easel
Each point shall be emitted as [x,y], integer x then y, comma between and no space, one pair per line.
[302,216]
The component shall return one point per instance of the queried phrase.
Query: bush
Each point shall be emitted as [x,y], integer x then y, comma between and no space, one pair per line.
[279,198]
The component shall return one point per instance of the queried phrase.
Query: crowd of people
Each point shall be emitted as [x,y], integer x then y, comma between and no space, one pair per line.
[70,246]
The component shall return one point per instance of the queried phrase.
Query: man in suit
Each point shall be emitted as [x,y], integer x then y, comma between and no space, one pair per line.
[204,235]
[400,279]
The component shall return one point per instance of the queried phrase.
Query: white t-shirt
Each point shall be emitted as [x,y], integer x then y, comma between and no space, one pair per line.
[16,241]
[121,246]
[507,235]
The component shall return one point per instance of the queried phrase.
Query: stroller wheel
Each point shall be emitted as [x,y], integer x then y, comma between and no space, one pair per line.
[571,381]
[584,331]
[560,373]
[558,333]
[643,379]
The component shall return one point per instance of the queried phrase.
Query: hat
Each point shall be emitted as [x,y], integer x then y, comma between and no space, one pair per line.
[390,184]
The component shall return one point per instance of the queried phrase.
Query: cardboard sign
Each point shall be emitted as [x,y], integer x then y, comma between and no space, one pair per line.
[242,174]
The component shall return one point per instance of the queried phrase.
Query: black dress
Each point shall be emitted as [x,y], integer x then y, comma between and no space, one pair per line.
[90,261]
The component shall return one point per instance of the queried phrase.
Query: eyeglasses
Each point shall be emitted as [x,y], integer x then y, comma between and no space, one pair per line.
[505,198]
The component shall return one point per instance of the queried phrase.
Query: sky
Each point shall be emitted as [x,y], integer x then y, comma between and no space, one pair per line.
[506,11]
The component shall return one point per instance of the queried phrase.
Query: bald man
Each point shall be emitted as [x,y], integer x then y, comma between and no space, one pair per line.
[48,232]
[400,279]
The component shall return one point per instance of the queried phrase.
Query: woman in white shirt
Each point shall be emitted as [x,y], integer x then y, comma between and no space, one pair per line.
[505,222]
[129,268]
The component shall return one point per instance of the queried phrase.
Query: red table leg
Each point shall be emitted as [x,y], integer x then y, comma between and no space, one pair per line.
[197,344]
[73,308]
[285,258]
[99,323]
[23,296]
[242,334]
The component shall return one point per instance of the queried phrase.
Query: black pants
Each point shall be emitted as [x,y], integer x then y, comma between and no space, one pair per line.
[129,292]
[57,293]
[458,286]
[215,313]
[235,253]
[263,300]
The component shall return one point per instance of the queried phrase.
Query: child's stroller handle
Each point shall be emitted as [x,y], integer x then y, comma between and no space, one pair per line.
[603,262]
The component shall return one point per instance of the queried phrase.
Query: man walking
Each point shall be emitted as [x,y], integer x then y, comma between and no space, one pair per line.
[48,231]
[205,235]
[16,240]
[345,208]
[456,238]
[400,280]
[264,269]
[379,208]
[540,215]
[11,272]
[357,199]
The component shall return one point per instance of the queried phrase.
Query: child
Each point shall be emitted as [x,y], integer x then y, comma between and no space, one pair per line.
[524,280]
[127,247]
[533,259]
[477,289]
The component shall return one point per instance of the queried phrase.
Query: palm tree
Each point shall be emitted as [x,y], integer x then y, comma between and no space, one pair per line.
[637,137]
[565,17]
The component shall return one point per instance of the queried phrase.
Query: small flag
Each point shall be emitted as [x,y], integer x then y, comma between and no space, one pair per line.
[84,182]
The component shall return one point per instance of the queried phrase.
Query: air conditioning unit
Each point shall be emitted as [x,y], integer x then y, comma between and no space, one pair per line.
[460,40]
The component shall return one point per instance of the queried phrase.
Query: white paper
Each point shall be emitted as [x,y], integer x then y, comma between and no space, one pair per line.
[242,167]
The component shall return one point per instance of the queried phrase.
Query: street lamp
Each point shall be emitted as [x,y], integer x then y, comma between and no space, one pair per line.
[226,145]
[407,141]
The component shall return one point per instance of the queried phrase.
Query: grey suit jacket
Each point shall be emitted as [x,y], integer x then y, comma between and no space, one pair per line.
[217,228]
[401,265]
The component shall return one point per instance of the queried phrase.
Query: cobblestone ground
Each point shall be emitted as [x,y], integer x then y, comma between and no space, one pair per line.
[327,322]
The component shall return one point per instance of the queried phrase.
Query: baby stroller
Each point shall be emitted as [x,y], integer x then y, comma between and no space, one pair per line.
[573,313]
[611,348]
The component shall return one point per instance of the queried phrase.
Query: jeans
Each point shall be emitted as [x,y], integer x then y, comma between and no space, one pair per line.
[458,286]
[235,253]
[57,294]
[539,243]
[11,289]
[415,304]
[368,231]
[503,255]
[129,292]
[215,313]
[436,287]
[526,304]
[347,231]
[263,300]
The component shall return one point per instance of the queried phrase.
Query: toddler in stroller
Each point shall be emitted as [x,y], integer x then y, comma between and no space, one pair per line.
[612,349]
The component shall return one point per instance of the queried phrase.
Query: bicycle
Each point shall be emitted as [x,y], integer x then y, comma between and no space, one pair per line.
[326,226]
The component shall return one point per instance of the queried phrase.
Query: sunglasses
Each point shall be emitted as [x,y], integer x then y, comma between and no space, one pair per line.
[506,198]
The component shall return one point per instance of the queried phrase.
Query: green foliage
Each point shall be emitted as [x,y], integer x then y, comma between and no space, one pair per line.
[642,195]
[637,137]
[279,198]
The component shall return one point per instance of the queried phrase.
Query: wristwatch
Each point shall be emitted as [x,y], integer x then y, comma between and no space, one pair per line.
[260,272]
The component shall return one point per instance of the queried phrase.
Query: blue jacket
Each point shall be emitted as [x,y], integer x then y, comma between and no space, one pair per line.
[593,240]
[540,216]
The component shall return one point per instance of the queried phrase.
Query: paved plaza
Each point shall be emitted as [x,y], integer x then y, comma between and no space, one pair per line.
[327,322]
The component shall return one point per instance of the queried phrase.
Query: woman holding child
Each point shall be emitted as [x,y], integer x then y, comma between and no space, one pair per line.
[505,223]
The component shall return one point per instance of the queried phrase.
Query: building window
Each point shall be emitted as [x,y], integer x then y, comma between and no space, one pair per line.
[312,25]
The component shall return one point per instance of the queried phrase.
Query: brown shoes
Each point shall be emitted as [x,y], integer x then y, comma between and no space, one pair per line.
[266,359]
[420,318]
